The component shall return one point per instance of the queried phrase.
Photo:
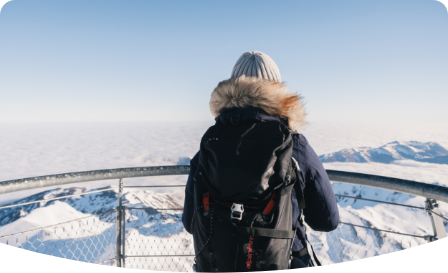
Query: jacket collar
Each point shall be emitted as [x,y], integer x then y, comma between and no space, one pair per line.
[272,98]
[236,115]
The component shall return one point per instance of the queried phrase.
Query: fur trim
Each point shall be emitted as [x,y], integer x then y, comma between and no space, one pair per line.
[273,97]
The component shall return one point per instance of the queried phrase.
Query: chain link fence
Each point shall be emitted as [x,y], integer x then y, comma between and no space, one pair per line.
[350,242]
[156,240]
[89,239]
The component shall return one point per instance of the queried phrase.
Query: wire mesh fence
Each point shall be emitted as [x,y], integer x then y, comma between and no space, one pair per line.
[350,242]
[157,240]
[154,239]
[89,239]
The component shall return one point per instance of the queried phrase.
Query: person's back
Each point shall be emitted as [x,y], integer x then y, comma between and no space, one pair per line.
[255,95]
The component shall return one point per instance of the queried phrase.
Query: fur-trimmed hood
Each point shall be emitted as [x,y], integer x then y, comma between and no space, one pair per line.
[273,97]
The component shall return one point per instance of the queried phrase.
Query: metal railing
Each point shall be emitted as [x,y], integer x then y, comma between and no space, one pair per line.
[154,238]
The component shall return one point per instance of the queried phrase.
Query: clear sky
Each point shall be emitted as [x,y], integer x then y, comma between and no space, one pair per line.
[107,60]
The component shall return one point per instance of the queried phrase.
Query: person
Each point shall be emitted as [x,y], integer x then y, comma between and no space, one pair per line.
[255,92]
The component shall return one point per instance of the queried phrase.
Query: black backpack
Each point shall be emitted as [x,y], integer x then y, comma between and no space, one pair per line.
[243,211]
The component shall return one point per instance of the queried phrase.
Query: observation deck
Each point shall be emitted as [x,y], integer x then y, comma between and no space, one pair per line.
[147,237]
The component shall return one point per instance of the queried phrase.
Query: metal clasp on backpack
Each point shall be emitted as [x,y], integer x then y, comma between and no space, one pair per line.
[195,268]
[236,212]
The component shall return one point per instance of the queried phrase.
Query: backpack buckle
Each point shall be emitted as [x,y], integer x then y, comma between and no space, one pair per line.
[236,212]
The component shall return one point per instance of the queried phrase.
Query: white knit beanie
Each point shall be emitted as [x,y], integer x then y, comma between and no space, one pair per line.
[256,64]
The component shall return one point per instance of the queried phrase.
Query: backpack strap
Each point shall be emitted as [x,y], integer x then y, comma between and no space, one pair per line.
[266,232]
[301,207]
[299,190]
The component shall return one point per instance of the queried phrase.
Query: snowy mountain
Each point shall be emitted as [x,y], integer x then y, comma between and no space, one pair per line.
[27,217]
[85,223]
[429,152]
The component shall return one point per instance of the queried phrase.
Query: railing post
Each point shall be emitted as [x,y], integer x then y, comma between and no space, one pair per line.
[436,221]
[118,224]
[123,233]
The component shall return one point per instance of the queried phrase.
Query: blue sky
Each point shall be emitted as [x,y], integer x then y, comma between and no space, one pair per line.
[145,60]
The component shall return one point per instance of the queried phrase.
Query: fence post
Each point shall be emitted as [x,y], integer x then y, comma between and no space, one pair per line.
[123,233]
[118,224]
[436,221]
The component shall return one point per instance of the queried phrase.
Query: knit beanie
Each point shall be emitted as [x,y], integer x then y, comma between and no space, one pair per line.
[256,64]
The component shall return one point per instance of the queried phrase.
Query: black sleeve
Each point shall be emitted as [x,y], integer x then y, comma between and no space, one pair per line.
[187,215]
[321,211]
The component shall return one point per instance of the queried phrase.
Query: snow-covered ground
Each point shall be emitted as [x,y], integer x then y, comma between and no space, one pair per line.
[49,148]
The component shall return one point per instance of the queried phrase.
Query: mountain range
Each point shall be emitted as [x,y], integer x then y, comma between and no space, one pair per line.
[429,152]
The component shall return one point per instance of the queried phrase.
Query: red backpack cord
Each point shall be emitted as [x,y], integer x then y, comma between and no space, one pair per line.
[206,201]
[267,209]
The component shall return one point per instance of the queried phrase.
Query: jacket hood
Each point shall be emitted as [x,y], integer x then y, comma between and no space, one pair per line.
[270,96]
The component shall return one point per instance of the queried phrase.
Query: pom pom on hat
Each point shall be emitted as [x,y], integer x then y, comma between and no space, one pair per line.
[256,64]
